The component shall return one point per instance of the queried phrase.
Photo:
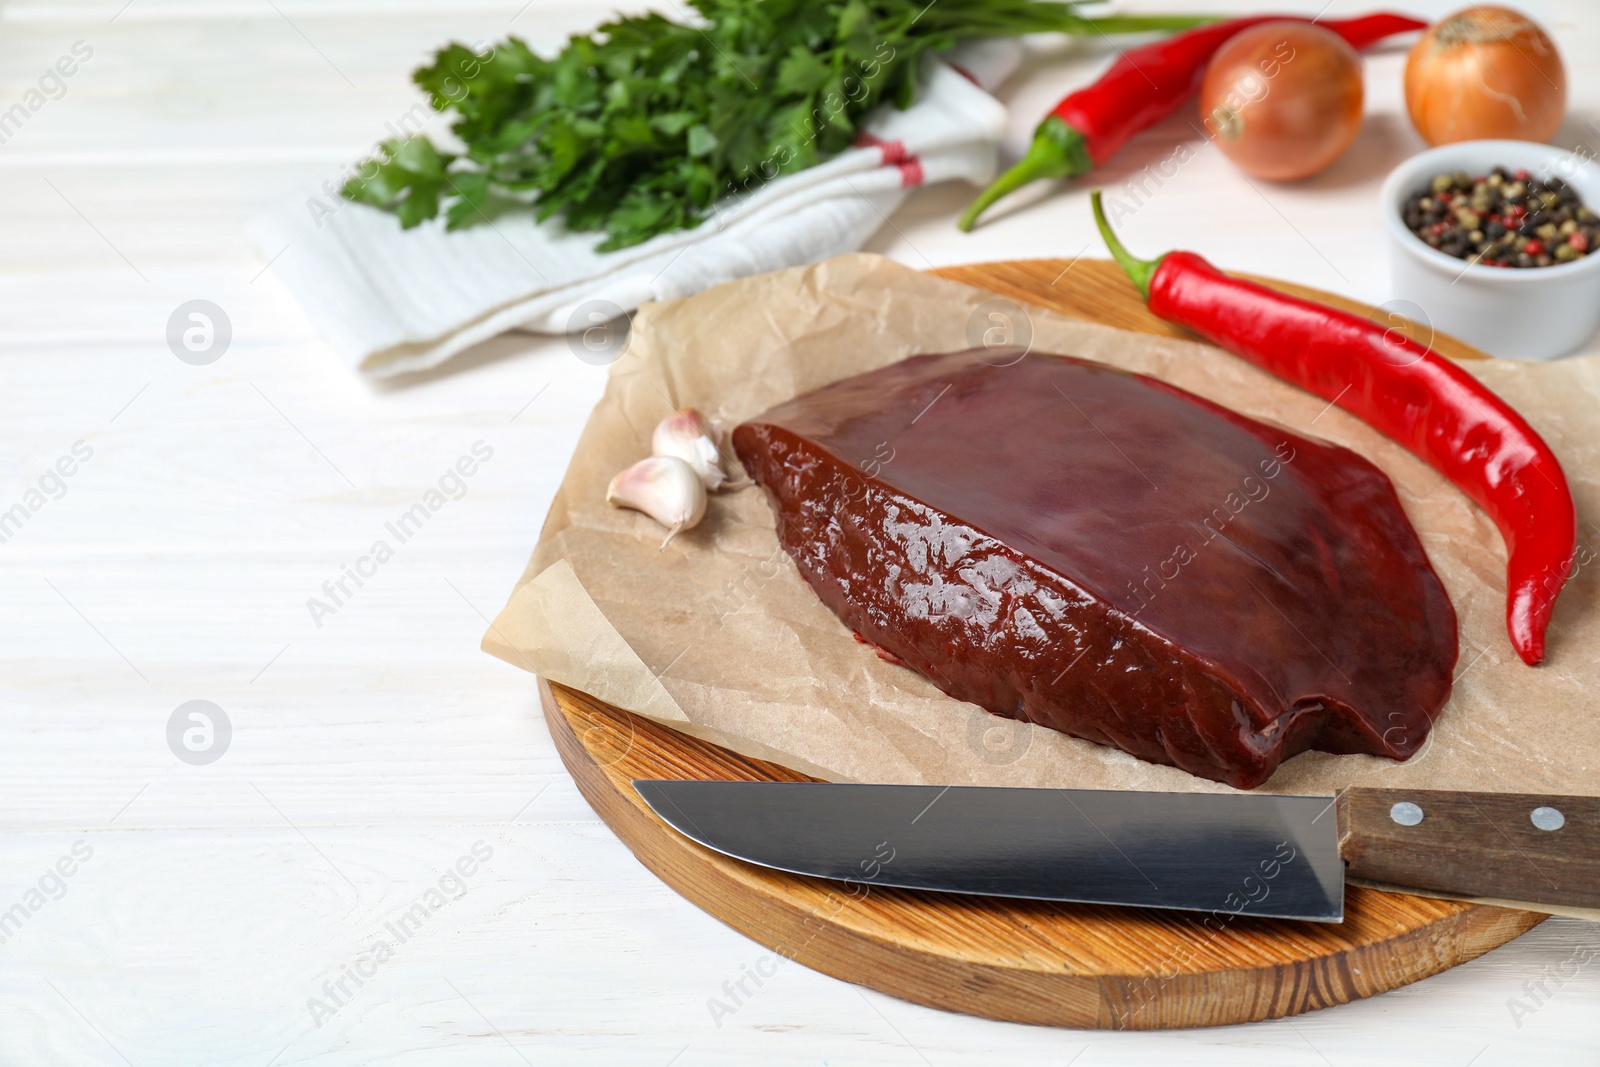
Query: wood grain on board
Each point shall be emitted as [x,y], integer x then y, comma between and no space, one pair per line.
[1024,961]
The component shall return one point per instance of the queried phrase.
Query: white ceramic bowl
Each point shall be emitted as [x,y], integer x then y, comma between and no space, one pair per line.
[1527,313]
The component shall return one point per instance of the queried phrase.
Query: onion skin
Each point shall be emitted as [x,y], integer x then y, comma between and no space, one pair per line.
[1283,100]
[1486,73]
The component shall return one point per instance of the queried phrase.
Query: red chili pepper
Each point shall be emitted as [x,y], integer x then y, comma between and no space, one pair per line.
[1142,87]
[1400,388]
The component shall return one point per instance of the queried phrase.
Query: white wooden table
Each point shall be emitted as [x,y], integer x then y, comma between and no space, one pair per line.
[226,913]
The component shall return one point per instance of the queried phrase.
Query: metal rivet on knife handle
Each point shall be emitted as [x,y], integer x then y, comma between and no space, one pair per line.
[1546,818]
[1406,813]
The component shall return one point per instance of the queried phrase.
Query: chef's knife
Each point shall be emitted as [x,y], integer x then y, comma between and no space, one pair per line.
[1284,857]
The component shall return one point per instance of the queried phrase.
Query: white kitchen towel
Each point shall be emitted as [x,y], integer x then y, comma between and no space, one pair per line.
[393,301]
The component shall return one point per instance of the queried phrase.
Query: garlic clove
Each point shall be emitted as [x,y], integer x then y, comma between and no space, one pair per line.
[663,487]
[689,436]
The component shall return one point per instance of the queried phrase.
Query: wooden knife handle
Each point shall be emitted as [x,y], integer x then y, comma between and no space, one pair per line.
[1515,846]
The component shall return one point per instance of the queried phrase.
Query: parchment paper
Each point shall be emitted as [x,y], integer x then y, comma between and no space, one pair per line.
[719,636]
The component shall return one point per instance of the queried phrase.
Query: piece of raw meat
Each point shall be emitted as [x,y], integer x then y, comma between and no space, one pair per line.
[1101,553]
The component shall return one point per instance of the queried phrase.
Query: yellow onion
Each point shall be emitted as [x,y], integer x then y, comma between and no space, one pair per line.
[1486,72]
[1283,100]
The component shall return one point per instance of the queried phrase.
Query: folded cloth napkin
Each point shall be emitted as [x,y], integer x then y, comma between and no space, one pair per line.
[392,301]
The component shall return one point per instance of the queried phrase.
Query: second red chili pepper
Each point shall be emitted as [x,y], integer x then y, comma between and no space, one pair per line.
[1402,389]
[1142,87]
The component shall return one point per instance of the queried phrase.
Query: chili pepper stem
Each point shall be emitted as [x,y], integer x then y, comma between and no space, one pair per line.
[1139,271]
[1058,151]
[1138,23]
[996,20]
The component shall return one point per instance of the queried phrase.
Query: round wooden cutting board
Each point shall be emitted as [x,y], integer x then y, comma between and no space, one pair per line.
[1019,960]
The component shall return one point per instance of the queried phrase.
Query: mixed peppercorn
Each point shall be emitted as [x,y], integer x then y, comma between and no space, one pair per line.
[1503,219]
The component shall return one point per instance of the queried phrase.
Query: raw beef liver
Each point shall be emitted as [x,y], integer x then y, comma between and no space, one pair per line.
[1109,556]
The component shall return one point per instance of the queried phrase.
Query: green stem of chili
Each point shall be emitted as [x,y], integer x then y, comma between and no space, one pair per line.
[1138,23]
[1058,151]
[1139,271]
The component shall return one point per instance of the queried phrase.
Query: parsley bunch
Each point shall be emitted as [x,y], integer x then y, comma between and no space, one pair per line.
[641,127]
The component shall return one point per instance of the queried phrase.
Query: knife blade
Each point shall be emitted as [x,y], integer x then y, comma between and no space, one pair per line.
[1283,857]
[1276,856]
